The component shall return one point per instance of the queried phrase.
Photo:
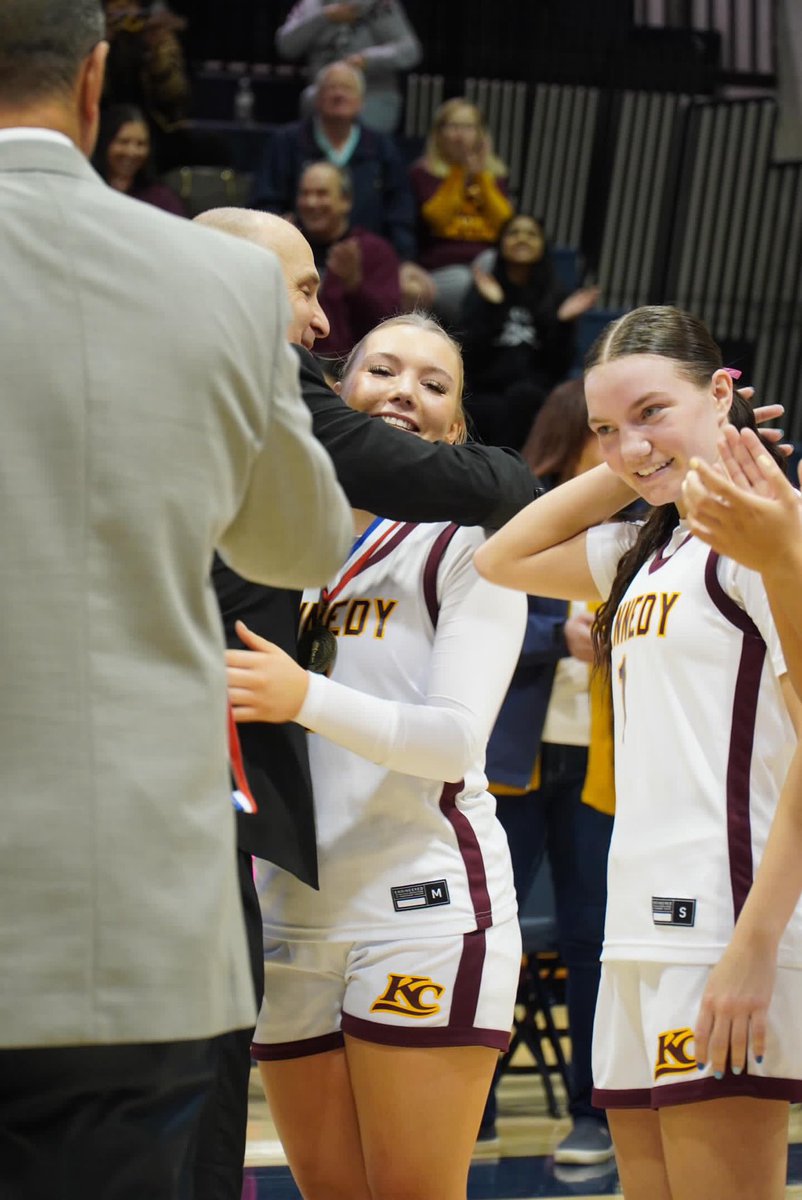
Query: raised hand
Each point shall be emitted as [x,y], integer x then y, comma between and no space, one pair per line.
[577,303]
[341,14]
[578,639]
[488,286]
[418,289]
[345,261]
[475,160]
[745,508]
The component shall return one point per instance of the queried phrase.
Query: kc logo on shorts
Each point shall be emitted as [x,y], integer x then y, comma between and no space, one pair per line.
[404,995]
[673,1056]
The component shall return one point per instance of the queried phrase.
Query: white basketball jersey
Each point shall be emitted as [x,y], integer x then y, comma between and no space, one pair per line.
[702,743]
[402,855]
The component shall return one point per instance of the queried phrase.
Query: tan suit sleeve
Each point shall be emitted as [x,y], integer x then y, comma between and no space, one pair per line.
[294,525]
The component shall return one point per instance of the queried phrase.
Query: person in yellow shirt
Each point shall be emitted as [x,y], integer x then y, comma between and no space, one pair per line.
[461,194]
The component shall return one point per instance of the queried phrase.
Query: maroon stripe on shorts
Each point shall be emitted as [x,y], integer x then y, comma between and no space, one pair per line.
[762,1087]
[471,854]
[413,1035]
[621,1098]
[303,1048]
[742,735]
[468,982]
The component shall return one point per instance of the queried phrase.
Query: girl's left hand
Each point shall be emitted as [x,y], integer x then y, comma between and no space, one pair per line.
[264,683]
[732,1015]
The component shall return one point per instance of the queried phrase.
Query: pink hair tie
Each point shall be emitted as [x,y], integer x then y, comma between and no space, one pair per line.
[733,372]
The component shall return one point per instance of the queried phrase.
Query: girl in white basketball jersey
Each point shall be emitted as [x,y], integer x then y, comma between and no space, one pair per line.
[390,992]
[706,755]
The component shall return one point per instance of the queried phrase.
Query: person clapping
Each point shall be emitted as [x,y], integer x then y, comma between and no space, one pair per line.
[517,328]
[359,269]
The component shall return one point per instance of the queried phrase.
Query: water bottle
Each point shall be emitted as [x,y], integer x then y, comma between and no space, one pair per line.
[244,100]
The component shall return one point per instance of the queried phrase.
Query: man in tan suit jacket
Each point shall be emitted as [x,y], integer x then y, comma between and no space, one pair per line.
[149,412]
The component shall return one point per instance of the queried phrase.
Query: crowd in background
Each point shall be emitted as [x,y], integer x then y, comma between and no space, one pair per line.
[393,228]
[137,932]
[392,232]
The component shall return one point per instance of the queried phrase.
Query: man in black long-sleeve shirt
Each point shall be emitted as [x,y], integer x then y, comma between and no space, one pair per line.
[383,470]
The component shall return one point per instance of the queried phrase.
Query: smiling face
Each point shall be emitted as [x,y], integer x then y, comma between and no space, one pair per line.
[308,321]
[522,241]
[458,132]
[651,420]
[321,204]
[411,378]
[128,151]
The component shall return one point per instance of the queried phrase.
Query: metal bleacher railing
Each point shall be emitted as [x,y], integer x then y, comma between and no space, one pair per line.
[668,199]
[746,29]
[657,168]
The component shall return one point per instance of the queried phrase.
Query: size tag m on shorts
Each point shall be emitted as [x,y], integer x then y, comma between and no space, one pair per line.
[668,910]
[420,895]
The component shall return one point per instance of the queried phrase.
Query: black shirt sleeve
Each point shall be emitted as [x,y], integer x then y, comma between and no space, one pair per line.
[396,475]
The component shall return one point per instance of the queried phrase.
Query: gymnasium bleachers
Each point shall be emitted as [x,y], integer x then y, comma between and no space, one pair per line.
[613,156]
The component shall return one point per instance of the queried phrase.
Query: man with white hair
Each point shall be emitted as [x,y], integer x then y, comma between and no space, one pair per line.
[383,200]
[374,35]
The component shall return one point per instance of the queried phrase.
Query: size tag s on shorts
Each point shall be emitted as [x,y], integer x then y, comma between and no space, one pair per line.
[420,895]
[669,910]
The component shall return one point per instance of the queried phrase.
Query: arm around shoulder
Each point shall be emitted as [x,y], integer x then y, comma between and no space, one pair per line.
[402,477]
[294,525]
[476,647]
[542,549]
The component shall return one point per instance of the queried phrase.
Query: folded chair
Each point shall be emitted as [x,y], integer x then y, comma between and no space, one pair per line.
[539,989]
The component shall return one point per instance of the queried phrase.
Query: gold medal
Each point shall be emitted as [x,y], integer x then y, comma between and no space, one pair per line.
[317,650]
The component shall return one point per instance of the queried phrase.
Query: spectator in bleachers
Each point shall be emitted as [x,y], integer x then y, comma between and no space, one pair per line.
[147,68]
[382,199]
[359,270]
[373,35]
[517,328]
[461,194]
[122,158]
[146,65]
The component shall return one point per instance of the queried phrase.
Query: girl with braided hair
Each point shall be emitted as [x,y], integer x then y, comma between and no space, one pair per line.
[695,1040]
